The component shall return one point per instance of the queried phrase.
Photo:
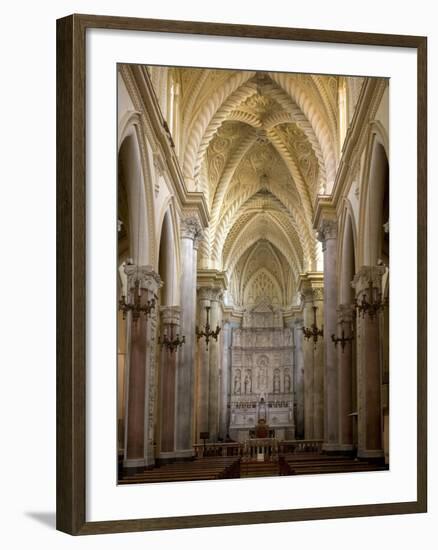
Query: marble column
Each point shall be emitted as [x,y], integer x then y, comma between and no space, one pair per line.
[369,375]
[308,390]
[298,377]
[225,380]
[345,380]
[313,380]
[208,373]
[140,373]
[214,348]
[204,365]
[327,234]
[185,376]
[318,368]
[170,326]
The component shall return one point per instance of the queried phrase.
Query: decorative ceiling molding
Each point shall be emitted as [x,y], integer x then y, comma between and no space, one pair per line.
[259,148]
[209,110]
[314,117]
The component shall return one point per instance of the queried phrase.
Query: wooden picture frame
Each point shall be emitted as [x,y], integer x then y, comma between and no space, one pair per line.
[71,274]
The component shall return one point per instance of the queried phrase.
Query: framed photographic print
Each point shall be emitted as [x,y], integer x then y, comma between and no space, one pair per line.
[241,283]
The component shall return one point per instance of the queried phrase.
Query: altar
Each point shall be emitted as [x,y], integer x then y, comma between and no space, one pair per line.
[262,377]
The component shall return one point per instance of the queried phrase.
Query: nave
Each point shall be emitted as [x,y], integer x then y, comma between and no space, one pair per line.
[253,273]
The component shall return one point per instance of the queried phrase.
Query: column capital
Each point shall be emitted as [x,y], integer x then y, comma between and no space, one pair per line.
[310,295]
[366,274]
[170,315]
[212,294]
[191,229]
[149,279]
[327,229]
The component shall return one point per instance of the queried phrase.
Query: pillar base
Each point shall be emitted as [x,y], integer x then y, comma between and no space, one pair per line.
[330,447]
[338,448]
[370,453]
[135,466]
[147,462]
[134,463]
[175,456]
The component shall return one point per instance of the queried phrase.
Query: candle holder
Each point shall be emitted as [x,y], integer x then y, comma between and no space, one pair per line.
[171,343]
[313,332]
[134,305]
[343,339]
[372,307]
[207,332]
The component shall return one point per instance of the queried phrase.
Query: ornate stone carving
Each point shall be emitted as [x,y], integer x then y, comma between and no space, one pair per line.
[328,229]
[366,273]
[191,228]
[212,294]
[276,382]
[149,279]
[310,295]
[170,315]
[237,382]
[248,382]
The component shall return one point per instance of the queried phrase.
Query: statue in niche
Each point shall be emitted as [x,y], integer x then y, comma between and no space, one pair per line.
[287,382]
[263,373]
[237,337]
[248,383]
[263,378]
[237,382]
[262,409]
[276,381]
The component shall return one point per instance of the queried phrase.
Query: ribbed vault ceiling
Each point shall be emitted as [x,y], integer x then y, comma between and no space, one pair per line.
[260,146]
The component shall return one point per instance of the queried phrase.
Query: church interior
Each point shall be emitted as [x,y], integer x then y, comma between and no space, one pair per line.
[252,274]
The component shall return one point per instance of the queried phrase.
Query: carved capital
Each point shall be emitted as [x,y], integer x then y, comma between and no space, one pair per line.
[191,229]
[366,274]
[170,315]
[198,238]
[328,229]
[149,279]
[211,294]
[310,295]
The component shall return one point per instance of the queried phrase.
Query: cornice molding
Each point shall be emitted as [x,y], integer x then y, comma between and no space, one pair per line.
[356,139]
[140,86]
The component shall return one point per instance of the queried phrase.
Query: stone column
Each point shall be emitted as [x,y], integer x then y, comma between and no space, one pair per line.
[185,375]
[318,367]
[194,404]
[370,443]
[327,234]
[345,362]
[313,382]
[298,378]
[170,326]
[204,365]
[225,380]
[214,348]
[308,389]
[140,373]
